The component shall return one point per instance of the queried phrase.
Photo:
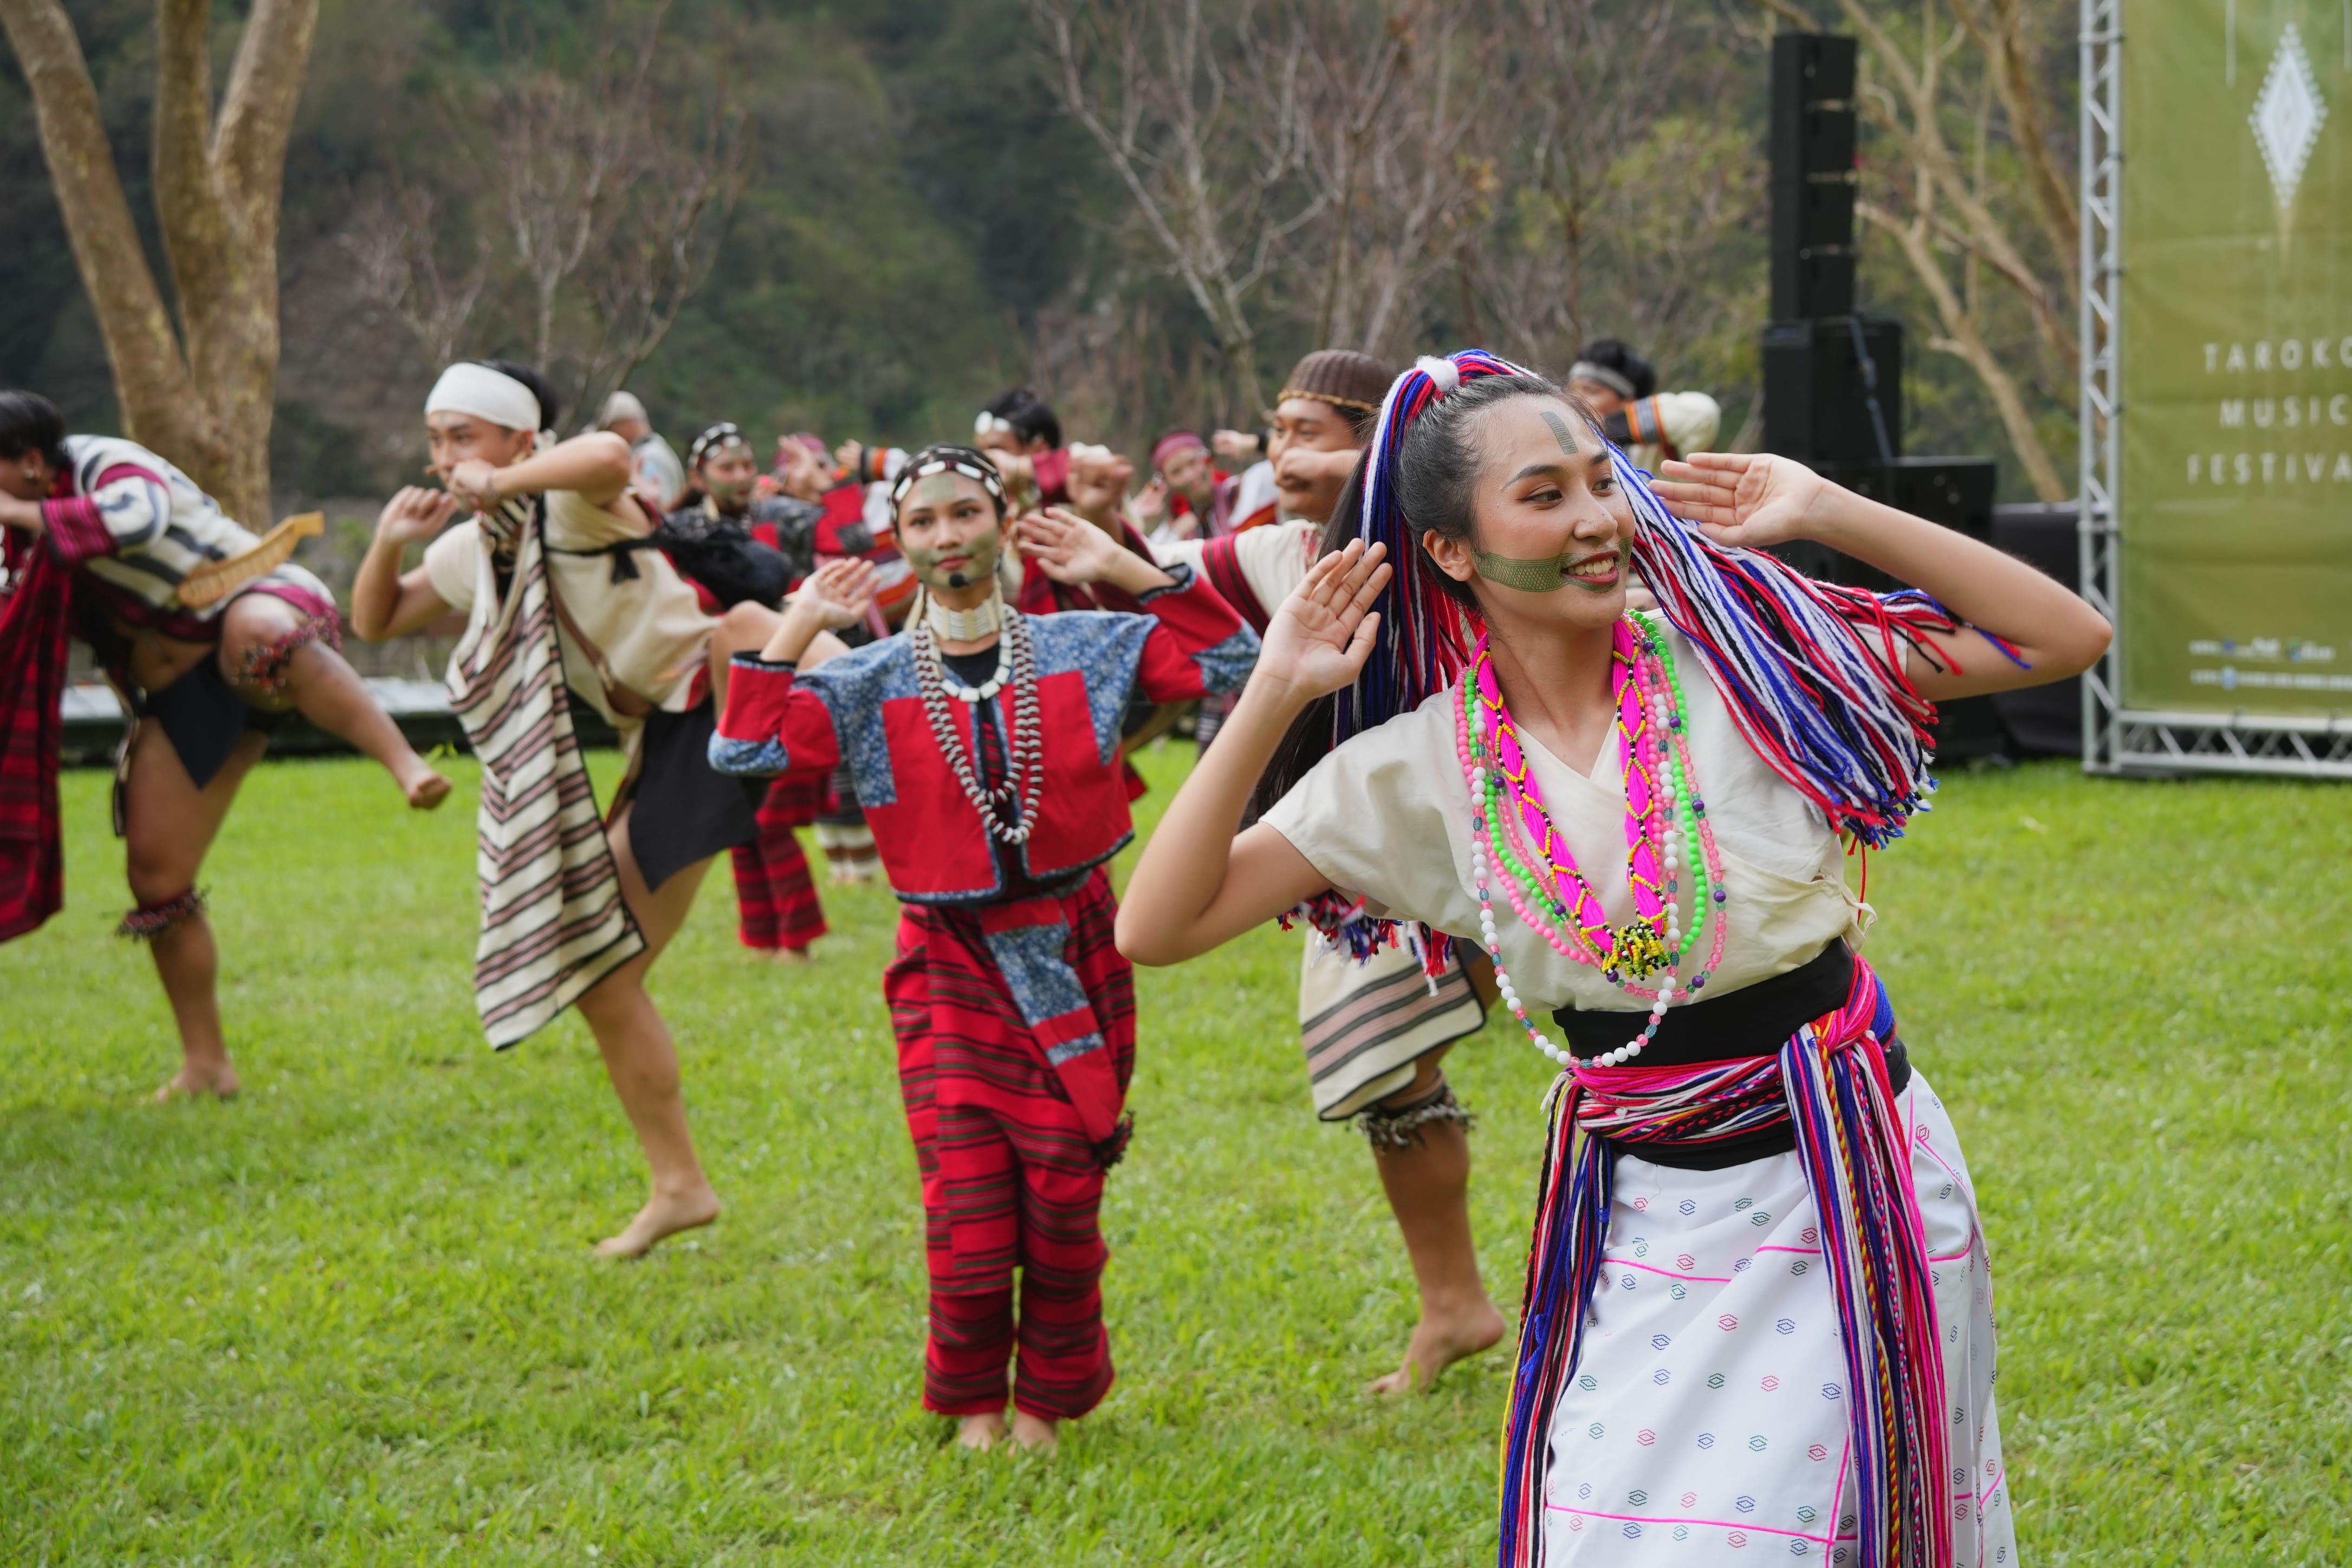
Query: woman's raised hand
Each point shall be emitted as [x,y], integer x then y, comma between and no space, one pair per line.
[1322,633]
[1747,499]
[837,592]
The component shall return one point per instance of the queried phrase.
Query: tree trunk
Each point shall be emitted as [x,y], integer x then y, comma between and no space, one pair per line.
[201,396]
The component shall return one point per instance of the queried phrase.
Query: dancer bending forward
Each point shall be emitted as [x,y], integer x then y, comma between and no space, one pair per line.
[564,602]
[101,535]
[985,746]
[1758,1310]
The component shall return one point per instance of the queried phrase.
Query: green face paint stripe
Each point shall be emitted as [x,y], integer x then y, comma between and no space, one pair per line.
[1544,576]
[1562,432]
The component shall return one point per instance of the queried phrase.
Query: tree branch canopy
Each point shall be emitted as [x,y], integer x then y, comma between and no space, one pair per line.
[136,329]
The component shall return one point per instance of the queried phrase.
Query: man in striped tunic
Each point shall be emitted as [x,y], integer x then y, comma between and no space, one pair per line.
[102,533]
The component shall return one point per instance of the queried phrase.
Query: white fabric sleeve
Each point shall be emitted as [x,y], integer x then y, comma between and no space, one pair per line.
[450,564]
[1692,420]
[134,505]
[1367,819]
[1274,560]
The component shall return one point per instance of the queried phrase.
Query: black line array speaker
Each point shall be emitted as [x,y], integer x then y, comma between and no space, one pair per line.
[1821,379]
[1814,132]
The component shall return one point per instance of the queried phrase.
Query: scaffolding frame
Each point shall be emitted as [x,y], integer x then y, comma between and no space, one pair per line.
[2116,739]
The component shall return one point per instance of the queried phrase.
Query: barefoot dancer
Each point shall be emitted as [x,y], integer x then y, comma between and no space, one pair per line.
[1758,1306]
[100,535]
[562,606]
[1016,1018]
[1375,1029]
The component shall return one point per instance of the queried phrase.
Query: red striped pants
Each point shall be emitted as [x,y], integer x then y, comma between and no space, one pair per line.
[1011,1177]
[773,889]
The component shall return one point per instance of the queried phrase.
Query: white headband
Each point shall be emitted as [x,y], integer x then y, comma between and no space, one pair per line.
[486,393]
[1616,380]
[991,424]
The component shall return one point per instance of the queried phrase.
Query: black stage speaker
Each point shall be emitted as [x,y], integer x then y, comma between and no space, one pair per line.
[1833,389]
[2043,720]
[1813,130]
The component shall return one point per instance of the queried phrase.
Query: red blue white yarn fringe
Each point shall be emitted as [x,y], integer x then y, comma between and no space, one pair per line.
[1829,1079]
[1813,672]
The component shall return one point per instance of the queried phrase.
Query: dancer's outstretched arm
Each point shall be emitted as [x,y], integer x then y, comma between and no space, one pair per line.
[1753,500]
[1198,883]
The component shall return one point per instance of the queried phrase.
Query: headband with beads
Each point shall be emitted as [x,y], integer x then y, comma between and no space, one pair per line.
[719,438]
[944,460]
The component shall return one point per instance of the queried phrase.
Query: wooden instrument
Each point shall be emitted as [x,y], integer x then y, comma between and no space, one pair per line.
[216,580]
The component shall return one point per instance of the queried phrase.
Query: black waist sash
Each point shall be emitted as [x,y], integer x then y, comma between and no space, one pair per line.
[1754,1021]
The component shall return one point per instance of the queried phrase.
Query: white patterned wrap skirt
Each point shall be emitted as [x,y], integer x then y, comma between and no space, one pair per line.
[1707,1420]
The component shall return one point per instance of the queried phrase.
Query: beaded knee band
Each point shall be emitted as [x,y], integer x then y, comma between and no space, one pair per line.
[265,663]
[1398,1127]
[148,921]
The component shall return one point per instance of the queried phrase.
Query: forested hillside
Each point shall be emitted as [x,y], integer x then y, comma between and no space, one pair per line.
[865,220]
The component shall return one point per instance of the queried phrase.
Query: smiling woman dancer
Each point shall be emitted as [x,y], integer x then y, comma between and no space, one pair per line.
[1757,1305]
[985,744]
[102,538]
[562,604]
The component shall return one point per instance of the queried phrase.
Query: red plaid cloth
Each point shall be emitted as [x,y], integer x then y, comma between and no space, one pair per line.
[34,626]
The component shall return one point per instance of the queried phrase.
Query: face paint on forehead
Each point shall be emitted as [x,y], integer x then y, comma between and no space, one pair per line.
[1560,432]
[936,490]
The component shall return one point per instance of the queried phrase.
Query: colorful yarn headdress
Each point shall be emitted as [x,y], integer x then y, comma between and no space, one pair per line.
[1812,672]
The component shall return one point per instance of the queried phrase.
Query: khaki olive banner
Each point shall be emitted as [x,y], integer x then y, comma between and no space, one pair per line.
[2236,344]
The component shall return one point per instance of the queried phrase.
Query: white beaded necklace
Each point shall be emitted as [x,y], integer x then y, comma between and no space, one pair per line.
[984,619]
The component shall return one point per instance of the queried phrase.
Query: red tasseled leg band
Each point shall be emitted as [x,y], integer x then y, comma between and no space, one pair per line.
[265,663]
[149,921]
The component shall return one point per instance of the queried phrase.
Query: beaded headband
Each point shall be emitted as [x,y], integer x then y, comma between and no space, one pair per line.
[945,459]
[719,438]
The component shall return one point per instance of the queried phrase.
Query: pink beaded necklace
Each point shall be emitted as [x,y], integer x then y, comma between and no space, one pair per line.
[1665,816]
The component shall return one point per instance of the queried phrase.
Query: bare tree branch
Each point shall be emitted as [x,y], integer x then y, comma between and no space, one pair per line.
[203,398]
[1963,337]
[140,343]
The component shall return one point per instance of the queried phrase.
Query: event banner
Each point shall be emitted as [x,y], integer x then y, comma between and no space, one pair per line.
[2236,344]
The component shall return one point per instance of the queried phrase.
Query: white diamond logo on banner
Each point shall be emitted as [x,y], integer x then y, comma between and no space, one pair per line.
[2288,115]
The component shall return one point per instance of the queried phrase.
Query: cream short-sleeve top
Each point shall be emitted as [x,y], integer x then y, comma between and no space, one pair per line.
[651,627]
[1386,818]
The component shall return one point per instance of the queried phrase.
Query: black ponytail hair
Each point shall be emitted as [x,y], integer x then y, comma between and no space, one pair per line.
[1438,462]
[31,423]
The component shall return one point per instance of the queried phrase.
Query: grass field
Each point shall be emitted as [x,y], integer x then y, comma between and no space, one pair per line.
[351,1317]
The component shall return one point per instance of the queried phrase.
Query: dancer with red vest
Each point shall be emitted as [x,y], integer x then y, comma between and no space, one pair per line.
[985,744]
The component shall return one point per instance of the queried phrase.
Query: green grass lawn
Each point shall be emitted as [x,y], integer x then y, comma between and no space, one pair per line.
[352,1317]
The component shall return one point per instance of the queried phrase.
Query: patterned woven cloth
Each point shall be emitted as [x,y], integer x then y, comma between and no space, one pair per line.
[553,919]
[36,615]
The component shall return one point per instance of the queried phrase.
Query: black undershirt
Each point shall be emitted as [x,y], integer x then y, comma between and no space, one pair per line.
[1754,1021]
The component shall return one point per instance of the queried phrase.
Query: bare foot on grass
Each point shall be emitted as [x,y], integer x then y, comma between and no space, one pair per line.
[792,957]
[980,1433]
[1438,1341]
[663,1216]
[1036,1435]
[196,1079]
[425,788]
